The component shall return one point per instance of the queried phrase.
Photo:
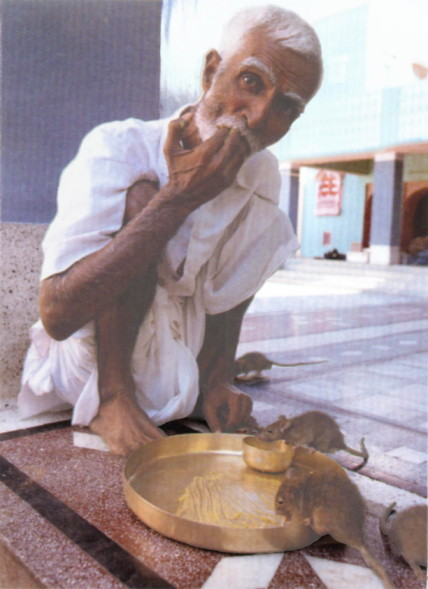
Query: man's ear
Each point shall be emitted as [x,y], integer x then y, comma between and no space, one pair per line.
[212,61]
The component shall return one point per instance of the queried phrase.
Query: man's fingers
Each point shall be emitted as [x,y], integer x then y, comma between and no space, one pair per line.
[216,141]
[239,408]
[211,416]
[175,134]
[237,144]
[233,153]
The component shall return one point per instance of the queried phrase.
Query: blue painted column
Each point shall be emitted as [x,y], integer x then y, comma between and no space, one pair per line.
[386,209]
[289,197]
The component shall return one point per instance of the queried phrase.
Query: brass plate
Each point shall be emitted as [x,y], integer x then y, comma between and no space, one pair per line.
[196,488]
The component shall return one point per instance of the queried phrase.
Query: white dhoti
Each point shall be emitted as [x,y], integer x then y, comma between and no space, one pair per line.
[229,247]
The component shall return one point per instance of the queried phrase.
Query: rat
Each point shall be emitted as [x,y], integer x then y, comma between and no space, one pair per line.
[257,362]
[328,502]
[407,531]
[314,429]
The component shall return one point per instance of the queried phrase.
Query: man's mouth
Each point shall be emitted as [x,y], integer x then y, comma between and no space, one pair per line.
[208,125]
[239,124]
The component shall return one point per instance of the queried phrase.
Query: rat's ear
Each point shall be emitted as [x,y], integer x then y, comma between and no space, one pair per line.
[212,61]
[283,423]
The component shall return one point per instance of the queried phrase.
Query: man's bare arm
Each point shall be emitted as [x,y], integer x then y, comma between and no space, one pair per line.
[74,297]
[224,406]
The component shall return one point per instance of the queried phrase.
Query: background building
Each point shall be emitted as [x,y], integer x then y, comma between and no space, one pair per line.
[369,121]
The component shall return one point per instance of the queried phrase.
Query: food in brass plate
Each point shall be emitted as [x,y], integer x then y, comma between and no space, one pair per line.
[251,365]
[314,429]
[407,532]
[329,503]
[230,501]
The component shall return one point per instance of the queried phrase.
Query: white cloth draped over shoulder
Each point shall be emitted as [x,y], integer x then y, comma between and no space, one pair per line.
[229,247]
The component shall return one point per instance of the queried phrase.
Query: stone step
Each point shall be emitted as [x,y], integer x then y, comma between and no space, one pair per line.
[393,279]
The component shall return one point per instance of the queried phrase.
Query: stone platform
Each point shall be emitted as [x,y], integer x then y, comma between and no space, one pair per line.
[64,521]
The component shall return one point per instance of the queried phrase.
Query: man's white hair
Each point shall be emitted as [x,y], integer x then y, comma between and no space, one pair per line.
[282,26]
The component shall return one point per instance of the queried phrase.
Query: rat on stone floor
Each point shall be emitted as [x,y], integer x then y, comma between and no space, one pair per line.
[314,429]
[329,503]
[407,532]
[255,362]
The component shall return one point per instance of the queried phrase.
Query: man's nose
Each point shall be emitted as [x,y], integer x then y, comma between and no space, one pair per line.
[257,112]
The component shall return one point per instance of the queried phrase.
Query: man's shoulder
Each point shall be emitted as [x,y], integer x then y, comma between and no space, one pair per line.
[123,133]
[267,158]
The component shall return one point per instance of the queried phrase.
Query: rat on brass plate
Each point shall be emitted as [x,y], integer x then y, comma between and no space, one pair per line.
[196,488]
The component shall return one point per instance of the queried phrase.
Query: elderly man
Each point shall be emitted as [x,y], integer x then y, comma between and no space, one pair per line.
[165,230]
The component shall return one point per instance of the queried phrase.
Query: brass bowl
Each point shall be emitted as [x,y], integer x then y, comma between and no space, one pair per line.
[270,457]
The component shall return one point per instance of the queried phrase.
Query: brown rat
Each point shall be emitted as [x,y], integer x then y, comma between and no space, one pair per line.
[314,429]
[407,531]
[329,503]
[256,362]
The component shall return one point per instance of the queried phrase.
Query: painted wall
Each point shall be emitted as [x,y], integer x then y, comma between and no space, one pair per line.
[69,65]
[344,228]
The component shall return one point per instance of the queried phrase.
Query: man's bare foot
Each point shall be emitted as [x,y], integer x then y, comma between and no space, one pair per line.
[123,425]
[227,409]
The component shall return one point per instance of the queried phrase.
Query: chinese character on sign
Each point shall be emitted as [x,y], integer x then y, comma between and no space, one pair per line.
[329,193]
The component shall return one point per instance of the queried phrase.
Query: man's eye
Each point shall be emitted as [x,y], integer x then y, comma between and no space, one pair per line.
[251,82]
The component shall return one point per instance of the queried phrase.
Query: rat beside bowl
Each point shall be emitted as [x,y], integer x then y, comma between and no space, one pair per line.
[270,457]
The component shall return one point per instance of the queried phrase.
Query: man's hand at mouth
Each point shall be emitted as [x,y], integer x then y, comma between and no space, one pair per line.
[202,172]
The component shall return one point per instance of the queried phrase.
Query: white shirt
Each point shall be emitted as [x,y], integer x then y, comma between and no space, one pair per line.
[229,247]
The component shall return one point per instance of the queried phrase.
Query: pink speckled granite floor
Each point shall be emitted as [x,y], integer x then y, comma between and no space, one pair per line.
[64,515]
[65,519]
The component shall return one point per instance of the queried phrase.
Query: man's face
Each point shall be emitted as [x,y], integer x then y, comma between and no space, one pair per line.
[261,90]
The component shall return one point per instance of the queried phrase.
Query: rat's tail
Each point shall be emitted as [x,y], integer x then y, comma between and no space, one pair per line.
[298,363]
[376,567]
[364,454]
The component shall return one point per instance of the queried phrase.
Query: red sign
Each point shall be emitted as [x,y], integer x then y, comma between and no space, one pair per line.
[329,193]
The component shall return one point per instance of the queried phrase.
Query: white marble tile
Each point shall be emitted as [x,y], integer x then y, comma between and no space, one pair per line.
[398,368]
[378,495]
[262,406]
[372,382]
[351,353]
[418,359]
[318,389]
[10,420]
[376,404]
[337,575]
[244,572]
[336,337]
[408,454]
[89,440]
[417,392]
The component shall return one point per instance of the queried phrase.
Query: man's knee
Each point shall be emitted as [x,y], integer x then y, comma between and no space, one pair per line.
[138,197]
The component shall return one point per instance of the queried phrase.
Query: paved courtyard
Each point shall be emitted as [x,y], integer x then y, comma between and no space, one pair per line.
[65,517]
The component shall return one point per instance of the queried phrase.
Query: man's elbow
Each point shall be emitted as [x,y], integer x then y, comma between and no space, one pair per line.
[54,317]
[55,327]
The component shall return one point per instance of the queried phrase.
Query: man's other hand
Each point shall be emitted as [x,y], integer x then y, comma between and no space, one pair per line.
[226,409]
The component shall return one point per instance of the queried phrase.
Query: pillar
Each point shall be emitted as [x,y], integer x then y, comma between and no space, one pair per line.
[289,197]
[386,209]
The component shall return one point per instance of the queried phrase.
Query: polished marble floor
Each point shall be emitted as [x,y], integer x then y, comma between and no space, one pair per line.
[64,517]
